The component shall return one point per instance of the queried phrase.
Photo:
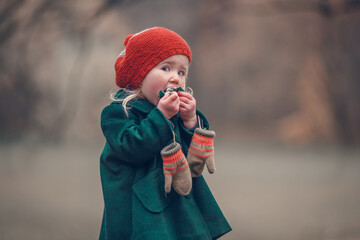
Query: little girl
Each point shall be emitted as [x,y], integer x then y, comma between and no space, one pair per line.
[144,133]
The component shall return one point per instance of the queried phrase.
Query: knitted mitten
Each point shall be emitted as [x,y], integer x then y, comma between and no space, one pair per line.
[176,169]
[201,152]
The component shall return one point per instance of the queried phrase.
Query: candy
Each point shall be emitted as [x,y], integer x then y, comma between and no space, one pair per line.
[170,90]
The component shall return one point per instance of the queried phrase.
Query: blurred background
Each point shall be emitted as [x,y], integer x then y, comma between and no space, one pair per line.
[278,80]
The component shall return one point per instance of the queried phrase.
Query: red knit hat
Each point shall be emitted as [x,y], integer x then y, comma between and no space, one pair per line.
[143,51]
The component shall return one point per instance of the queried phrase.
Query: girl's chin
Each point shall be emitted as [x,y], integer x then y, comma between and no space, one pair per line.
[155,101]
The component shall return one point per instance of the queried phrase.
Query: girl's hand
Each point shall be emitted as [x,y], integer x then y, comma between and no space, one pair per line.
[187,109]
[169,105]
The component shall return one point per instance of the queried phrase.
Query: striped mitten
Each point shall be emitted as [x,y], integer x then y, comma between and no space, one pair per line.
[201,152]
[176,169]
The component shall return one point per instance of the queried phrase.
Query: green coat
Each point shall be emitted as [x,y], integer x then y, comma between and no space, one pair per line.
[136,206]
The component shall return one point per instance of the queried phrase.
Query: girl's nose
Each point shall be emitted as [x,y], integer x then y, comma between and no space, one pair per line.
[174,80]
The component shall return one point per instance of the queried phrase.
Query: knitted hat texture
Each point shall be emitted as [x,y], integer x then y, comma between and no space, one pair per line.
[143,51]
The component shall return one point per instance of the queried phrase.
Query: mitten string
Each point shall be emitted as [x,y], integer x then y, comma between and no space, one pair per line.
[199,122]
[174,136]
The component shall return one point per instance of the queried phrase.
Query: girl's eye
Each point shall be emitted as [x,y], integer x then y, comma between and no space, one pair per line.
[166,69]
[181,73]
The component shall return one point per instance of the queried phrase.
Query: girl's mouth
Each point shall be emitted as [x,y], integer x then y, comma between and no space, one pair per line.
[173,89]
[170,90]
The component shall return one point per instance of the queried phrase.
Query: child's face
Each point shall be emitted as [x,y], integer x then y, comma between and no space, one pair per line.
[171,72]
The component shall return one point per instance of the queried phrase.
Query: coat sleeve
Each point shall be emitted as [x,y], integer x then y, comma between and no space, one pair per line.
[188,133]
[135,141]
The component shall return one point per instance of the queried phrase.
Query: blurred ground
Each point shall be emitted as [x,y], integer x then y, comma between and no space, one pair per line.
[267,191]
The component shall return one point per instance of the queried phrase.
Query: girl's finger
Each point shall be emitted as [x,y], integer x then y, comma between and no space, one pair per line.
[185,94]
[172,97]
[166,96]
[184,105]
[184,99]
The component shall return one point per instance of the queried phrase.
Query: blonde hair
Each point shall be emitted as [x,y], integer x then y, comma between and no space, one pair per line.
[130,95]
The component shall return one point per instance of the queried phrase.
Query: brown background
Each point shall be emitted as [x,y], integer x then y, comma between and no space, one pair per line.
[278,80]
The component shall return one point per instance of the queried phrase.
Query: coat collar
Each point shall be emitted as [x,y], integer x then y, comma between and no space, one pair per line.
[138,104]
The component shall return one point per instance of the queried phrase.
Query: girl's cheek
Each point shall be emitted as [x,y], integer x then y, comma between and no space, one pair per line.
[182,84]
